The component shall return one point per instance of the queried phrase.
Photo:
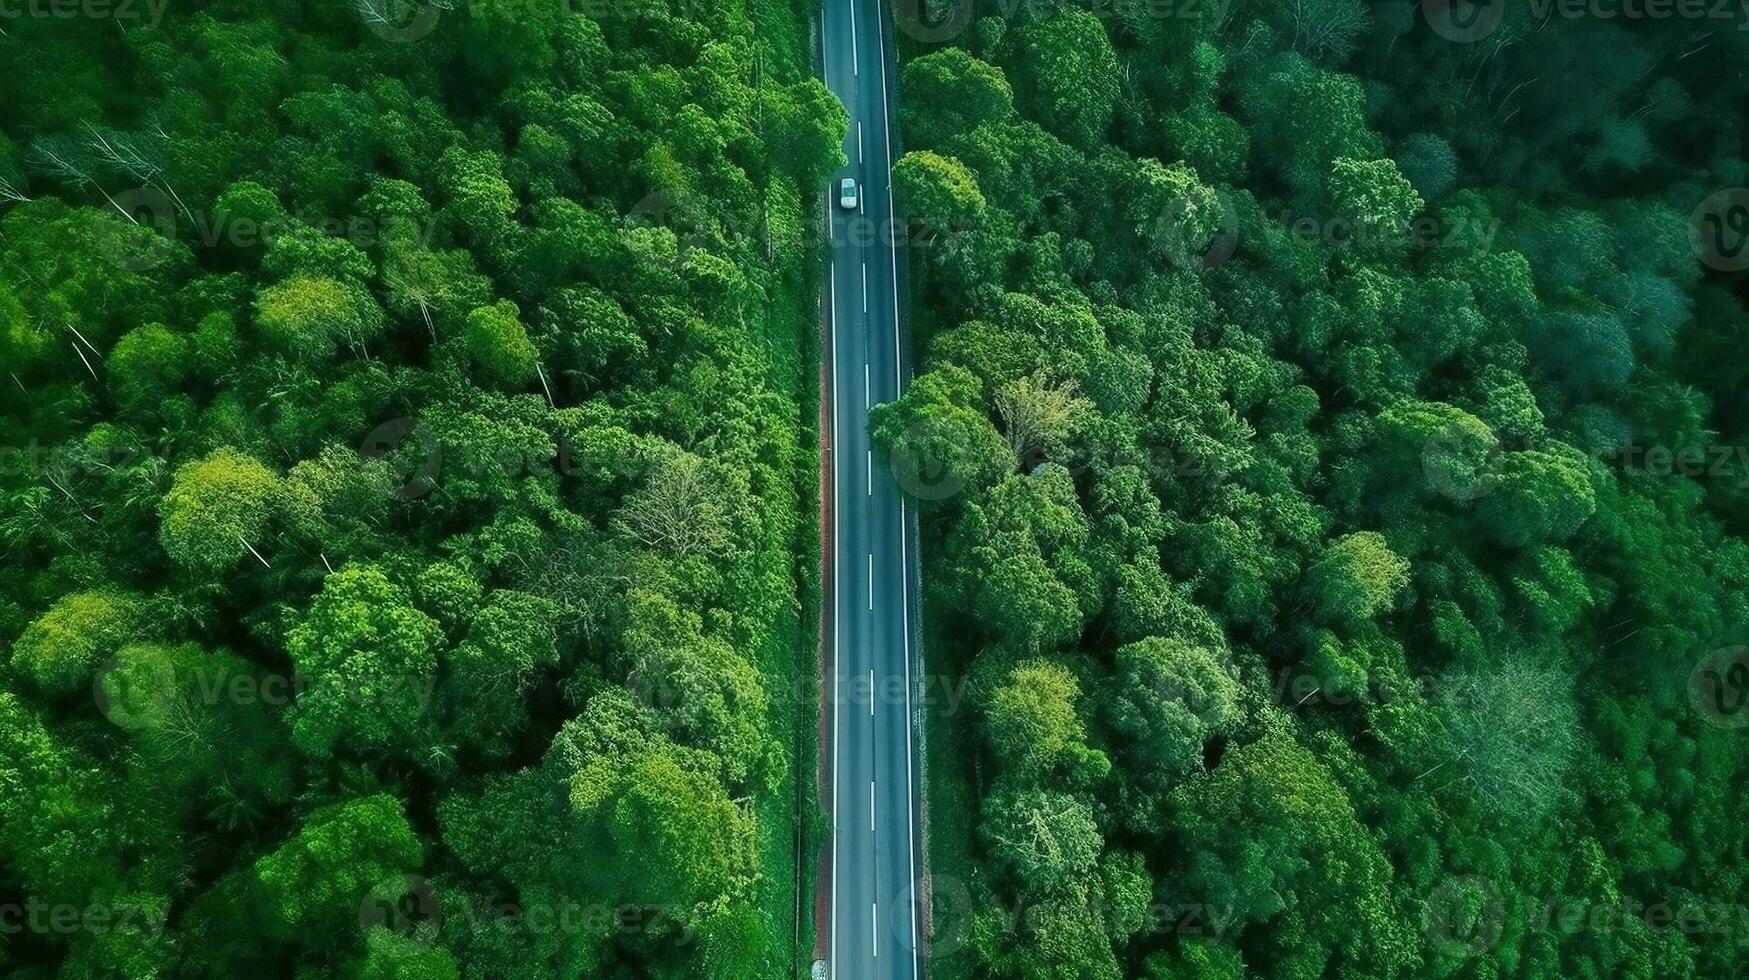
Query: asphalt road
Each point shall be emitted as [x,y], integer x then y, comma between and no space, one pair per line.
[875,844]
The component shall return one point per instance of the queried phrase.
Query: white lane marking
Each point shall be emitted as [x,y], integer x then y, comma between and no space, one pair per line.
[837,602]
[904,596]
[867,383]
[853,57]
[875,929]
[871,806]
[869,470]
[865,287]
[871,701]
[859,141]
[871,580]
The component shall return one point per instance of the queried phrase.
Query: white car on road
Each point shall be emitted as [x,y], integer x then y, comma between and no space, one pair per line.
[847,194]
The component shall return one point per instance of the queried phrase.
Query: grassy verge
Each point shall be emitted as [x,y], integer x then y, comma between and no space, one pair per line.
[787,896]
[788,819]
[786,872]
[953,804]
[783,33]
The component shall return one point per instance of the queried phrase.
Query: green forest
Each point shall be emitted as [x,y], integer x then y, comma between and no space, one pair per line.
[408,489]
[1331,459]
[1334,505]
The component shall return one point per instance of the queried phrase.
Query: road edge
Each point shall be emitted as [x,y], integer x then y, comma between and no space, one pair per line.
[825,777]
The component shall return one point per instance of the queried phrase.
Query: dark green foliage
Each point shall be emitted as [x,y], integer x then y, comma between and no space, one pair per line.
[1347,588]
[349,383]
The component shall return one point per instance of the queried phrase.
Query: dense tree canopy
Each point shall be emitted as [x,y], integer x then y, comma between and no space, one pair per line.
[1328,439]
[352,379]
[1340,581]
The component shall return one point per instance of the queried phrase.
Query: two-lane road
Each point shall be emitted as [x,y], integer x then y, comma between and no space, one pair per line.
[875,857]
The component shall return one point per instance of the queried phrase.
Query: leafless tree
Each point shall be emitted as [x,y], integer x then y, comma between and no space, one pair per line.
[62,161]
[136,156]
[679,509]
[1327,29]
[1511,730]
[1039,418]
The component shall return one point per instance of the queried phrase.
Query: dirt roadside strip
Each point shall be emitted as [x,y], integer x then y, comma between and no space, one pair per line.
[824,665]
